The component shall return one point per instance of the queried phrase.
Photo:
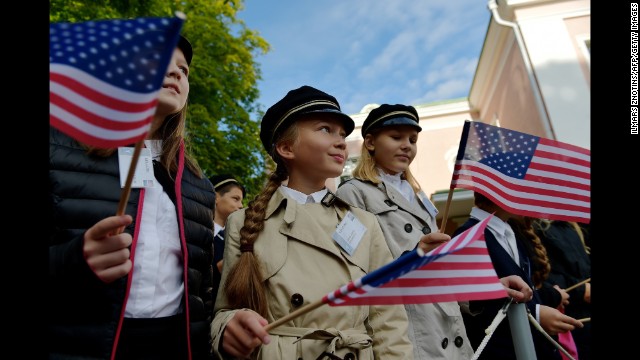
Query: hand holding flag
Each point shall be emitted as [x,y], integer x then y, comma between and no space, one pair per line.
[457,270]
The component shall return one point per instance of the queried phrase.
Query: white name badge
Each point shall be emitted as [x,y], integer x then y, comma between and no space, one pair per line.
[431,209]
[143,177]
[349,233]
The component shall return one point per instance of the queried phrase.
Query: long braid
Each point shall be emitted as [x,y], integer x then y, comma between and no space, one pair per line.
[244,287]
[543,267]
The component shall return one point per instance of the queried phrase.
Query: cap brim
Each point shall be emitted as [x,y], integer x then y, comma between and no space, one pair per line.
[399,121]
[349,123]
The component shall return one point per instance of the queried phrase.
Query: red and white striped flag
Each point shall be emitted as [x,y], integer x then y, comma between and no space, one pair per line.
[104,77]
[458,270]
[525,174]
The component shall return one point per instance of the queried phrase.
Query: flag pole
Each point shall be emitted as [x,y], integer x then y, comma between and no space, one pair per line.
[124,196]
[295,314]
[459,156]
[576,285]
[445,214]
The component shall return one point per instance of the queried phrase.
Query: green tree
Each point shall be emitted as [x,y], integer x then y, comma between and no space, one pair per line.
[223,78]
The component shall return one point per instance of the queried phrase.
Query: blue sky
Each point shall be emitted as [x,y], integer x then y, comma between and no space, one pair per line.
[369,51]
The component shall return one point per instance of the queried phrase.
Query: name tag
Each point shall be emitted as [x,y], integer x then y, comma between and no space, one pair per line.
[431,209]
[349,233]
[143,176]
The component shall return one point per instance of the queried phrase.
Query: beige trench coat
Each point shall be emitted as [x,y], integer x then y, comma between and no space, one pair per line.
[301,264]
[437,330]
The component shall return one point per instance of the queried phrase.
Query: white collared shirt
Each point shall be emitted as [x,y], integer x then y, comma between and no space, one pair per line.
[501,230]
[302,198]
[217,228]
[157,285]
[399,184]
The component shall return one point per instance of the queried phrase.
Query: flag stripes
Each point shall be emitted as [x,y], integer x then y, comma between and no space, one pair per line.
[458,270]
[549,179]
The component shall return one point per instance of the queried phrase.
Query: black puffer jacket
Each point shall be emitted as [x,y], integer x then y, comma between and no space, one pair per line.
[84,313]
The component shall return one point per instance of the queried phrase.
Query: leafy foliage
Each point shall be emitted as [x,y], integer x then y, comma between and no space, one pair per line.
[223,79]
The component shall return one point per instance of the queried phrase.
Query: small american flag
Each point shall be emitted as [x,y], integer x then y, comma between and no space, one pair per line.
[104,77]
[525,174]
[458,270]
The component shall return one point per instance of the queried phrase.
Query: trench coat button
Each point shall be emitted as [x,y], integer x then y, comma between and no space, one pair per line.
[296,300]
[388,202]
[408,228]
[445,343]
[350,356]
[426,230]
[458,341]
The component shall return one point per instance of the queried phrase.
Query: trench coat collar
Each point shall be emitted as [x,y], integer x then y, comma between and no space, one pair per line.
[395,196]
[304,231]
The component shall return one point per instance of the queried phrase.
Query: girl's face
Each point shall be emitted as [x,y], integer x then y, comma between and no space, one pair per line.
[393,147]
[320,150]
[175,87]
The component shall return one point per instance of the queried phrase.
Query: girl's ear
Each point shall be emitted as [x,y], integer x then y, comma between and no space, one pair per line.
[368,142]
[285,150]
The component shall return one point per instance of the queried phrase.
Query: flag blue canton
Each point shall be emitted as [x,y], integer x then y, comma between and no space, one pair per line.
[129,54]
[507,151]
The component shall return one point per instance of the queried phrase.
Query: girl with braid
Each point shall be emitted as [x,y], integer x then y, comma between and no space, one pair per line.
[509,256]
[550,293]
[286,249]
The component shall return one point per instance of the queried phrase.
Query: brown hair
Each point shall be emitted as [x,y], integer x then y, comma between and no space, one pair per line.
[244,285]
[367,170]
[172,133]
[540,258]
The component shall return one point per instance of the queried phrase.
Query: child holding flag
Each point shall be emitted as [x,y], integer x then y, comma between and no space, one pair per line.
[141,293]
[295,243]
[383,184]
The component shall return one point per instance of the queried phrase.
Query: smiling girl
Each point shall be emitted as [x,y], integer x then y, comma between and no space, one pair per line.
[280,252]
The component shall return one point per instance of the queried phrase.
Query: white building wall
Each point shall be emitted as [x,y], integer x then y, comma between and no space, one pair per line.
[565,90]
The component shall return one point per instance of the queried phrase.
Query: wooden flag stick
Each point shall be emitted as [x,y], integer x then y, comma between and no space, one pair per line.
[584,320]
[578,284]
[124,196]
[293,315]
[445,213]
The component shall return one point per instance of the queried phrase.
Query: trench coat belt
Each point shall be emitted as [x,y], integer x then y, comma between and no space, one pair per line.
[351,338]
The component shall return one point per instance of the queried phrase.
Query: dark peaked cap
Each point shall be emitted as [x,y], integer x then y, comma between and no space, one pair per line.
[219,180]
[390,115]
[298,102]
[185,46]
